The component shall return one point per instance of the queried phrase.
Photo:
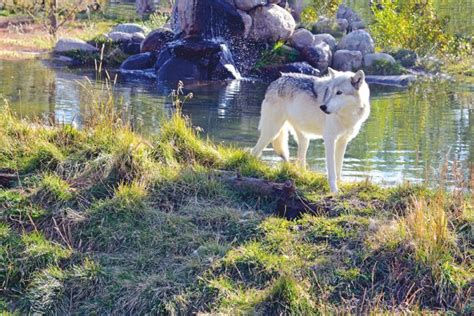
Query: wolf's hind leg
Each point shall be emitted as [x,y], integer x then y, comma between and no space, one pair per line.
[280,144]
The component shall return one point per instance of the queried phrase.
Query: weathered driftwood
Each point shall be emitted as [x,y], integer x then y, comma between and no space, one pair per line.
[7,180]
[288,203]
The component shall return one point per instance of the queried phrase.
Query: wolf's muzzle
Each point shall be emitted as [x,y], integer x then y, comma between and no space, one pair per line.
[324,109]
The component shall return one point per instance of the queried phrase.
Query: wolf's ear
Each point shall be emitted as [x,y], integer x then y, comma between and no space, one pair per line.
[358,79]
[332,72]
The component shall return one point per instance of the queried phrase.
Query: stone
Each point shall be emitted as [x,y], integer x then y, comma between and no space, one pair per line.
[247,20]
[345,12]
[327,38]
[119,37]
[130,28]
[318,55]
[301,38]
[163,57]
[139,62]
[371,59]
[247,5]
[138,37]
[271,23]
[156,40]
[357,25]
[358,40]
[177,68]
[206,19]
[273,72]
[131,48]
[406,57]
[70,44]
[335,27]
[347,60]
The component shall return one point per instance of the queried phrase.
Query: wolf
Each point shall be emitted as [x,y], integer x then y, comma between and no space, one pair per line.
[332,108]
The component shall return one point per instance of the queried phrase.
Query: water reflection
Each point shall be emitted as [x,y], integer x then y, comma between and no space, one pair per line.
[408,136]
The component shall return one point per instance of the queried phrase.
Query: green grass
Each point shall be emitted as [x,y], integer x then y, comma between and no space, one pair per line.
[104,220]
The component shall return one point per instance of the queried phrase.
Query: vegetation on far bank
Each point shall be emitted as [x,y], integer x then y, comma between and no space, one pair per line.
[105,220]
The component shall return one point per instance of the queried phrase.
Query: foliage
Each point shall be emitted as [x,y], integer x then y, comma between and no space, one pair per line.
[279,54]
[384,67]
[318,8]
[396,25]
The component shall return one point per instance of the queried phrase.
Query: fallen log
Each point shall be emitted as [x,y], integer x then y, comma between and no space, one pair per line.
[289,203]
[7,180]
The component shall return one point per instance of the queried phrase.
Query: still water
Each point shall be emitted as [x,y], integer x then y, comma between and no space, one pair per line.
[410,134]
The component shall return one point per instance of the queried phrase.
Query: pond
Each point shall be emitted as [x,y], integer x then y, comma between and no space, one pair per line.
[410,136]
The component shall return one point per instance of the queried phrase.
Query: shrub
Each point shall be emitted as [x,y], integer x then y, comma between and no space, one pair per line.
[414,25]
[317,8]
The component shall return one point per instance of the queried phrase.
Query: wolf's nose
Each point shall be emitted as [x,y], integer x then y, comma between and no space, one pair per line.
[323,108]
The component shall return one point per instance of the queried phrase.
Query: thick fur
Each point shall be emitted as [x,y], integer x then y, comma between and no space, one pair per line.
[332,108]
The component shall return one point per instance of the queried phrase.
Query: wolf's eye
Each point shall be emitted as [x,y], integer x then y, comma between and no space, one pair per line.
[339,92]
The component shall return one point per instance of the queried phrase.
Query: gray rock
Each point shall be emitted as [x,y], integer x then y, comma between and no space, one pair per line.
[402,80]
[138,62]
[347,60]
[70,44]
[358,40]
[327,38]
[335,27]
[271,22]
[247,5]
[318,55]
[130,28]
[357,25]
[247,19]
[406,57]
[371,59]
[138,37]
[156,40]
[301,38]
[120,36]
[344,12]
[273,72]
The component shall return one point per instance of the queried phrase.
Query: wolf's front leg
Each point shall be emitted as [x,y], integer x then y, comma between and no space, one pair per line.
[341,145]
[330,145]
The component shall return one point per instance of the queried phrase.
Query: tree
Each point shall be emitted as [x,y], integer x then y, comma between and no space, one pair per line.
[145,7]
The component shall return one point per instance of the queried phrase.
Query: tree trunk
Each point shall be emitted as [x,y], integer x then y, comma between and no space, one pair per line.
[145,7]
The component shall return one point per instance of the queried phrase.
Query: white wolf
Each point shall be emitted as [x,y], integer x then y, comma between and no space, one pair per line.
[332,108]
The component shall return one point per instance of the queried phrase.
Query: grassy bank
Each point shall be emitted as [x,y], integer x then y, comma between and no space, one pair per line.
[104,220]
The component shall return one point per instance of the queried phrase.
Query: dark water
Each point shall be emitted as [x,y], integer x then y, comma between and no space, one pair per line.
[410,134]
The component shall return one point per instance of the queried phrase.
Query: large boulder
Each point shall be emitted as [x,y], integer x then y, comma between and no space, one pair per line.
[206,19]
[272,23]
[195,59]
[130,28]
[354,20]
[247,5]
[156,40]
[347,60]
[139,62]
[273,72]
[358,40]
[318,55]
[371,59]
[247,20]
[301,38]
[70,44]
[327,38]
[118,37]
[335,27]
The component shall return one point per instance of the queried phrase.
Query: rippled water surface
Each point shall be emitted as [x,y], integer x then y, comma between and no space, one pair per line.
[410,134]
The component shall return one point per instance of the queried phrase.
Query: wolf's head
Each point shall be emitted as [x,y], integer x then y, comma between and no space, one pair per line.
[347,92]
